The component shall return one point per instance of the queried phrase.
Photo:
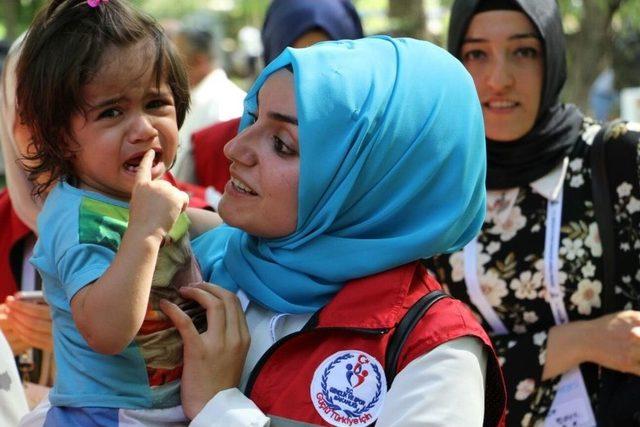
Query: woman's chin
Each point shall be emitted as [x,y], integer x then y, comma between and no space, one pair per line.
[505,132]
[505,137]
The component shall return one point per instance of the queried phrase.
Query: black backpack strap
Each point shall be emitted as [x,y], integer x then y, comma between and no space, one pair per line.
[603,211]
[404,329]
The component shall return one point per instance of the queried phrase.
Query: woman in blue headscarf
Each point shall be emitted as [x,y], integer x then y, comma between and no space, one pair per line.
[295,23]
[347,170]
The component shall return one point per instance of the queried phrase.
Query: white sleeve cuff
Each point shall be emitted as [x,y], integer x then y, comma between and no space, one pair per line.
[230,408]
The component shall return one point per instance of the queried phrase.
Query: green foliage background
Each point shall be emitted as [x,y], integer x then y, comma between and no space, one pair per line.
[599,32]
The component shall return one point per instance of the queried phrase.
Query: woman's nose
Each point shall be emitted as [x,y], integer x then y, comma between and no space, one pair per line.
[500,75]
[241,150]
[142,129]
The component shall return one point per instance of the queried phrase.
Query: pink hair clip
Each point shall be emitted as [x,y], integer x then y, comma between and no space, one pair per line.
[96,3]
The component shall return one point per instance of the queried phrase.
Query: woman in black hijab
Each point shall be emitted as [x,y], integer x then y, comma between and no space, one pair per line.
[536,273]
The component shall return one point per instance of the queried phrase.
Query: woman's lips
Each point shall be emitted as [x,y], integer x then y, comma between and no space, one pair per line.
[500,107]
[241,187]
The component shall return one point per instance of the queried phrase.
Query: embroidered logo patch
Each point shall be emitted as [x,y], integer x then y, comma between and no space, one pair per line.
[348,388]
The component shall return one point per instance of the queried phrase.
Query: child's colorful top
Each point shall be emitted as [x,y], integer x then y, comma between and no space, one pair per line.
[79,234]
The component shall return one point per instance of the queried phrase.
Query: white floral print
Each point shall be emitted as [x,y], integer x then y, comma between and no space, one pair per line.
[576,181]
[576,164]
[624,189]
[572,249]
[542,357]
[493,247]
[587,296]
[593,240]
[527,285]
[508,229]
[633,206]
[456,260]
[588,270]
[539,338]
[493,287]
[516,248]
[525,388]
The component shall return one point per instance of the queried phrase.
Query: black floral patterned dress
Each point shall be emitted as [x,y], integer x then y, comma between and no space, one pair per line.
[511,267]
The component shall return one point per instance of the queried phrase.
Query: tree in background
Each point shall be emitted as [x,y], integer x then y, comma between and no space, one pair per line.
[408,18]
[600,34]
[592,26]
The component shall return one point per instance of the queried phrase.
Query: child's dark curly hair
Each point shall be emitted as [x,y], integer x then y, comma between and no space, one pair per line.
[60,55]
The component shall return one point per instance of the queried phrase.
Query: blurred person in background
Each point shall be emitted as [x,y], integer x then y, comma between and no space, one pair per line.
[13,404]
[26,324]
[295,23]
[4,50]
[603,95]
[537,273]
[214,97]
[250,48]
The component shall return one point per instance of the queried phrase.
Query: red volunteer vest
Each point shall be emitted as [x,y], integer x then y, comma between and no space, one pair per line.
[332,371]
[13,231]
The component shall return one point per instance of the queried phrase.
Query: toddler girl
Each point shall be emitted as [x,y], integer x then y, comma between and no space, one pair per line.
[104,93]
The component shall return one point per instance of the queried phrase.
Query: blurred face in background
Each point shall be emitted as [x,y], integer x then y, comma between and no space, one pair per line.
[504,54]
[310,38]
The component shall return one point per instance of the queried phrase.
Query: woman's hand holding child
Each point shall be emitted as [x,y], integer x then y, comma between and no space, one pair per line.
[213,360]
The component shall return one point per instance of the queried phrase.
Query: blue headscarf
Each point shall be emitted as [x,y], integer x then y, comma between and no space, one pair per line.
[287,20]
[392,169]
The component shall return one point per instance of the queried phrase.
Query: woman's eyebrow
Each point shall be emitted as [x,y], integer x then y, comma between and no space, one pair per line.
[512,37]
[282,117]
[525,36]
[473,40]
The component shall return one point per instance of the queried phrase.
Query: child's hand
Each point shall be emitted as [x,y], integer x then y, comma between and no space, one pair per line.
[155,204]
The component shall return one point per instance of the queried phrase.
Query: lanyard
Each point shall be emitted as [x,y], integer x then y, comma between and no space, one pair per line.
[551,272]
[551,256]
[475,290]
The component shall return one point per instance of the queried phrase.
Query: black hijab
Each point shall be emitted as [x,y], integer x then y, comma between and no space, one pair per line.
[287,20]
[557,127]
